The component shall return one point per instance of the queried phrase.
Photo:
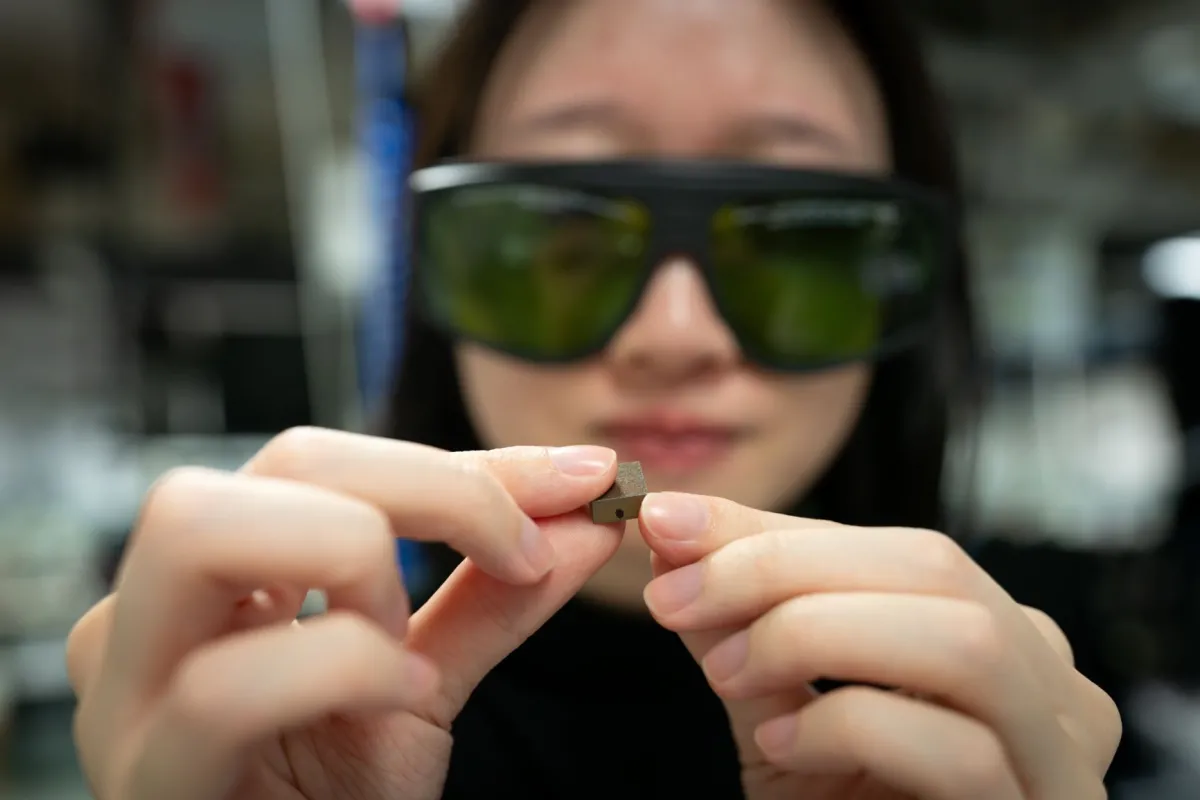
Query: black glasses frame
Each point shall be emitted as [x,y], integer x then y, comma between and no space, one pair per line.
[682,197]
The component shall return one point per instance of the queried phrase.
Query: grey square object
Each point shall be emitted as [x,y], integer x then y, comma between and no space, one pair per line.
[623,501]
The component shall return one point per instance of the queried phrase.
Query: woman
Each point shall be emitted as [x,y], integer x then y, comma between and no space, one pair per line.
[706,235]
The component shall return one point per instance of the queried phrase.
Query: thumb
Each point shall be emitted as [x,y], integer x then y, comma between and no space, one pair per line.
[744,715]
[474,620]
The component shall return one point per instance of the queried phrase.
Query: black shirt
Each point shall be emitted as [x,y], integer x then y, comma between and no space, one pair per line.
[597,704]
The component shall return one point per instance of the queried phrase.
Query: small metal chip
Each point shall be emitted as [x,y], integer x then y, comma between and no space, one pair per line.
[623,501]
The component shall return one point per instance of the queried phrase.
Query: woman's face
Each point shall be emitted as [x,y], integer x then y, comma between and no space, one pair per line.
[765,80]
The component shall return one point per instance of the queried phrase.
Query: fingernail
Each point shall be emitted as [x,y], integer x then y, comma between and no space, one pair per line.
[678,517]
[582,461]
[536,548]
[420,675]
[777,737]
[727,659]
[676,590]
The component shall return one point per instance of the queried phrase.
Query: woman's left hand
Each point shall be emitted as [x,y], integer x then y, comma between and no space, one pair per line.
[990,705]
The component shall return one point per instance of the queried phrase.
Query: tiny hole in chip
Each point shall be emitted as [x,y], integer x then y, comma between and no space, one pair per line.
[620,513]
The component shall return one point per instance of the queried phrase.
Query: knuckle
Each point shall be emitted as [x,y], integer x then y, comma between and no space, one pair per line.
[370,541]
[475,470]
[77,662]
[77,637]
[176,499]
[941,560]
[756,561]
[1051,632]
[510,459]
[1108,727]
[979,640]
[84,642]
[295,452]
[482,495]
[1110,714]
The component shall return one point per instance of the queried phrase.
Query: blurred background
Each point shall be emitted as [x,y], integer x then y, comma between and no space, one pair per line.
[194,256]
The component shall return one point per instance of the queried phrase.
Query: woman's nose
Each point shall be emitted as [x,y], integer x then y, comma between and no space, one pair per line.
[676,333]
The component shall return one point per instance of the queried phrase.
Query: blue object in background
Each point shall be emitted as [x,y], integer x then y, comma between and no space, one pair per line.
[387,126]
[387,141]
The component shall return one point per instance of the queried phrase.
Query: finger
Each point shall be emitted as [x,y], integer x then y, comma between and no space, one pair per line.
[548,482]
[746,714]
[1053,634]
[241,690]
[947,649]
[1093,720]
[914,748]
[474,621]
[88,638]
[209,539]
[683,528]
[1098,733]
[745,578]
[86,645]
[479,503]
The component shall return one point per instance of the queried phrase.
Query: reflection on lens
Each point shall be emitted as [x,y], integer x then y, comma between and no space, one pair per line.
[541,271]
[814,281]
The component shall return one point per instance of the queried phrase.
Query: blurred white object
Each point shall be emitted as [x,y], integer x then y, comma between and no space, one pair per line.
[1172,268]
[1091,462]
[347,248]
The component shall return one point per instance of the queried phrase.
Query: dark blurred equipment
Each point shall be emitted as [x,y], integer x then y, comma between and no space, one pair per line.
[1180,363]
[1180,345]
[1020,20]
[217,337]
[58,150]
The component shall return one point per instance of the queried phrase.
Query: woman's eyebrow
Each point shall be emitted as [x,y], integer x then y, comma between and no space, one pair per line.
[572,116]
[765,128]
[744,133]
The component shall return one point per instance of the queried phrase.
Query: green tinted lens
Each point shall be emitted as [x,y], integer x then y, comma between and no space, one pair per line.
[818,281]
[539,271]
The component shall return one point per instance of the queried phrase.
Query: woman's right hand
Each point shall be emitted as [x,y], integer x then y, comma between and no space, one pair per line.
[196,683]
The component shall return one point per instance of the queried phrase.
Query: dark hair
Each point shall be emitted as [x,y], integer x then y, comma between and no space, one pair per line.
[890,472]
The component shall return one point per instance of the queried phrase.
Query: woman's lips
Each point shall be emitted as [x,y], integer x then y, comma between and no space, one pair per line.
[672,451]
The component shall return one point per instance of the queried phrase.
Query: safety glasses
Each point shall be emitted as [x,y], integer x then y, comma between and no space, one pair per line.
[808,269]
